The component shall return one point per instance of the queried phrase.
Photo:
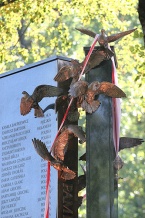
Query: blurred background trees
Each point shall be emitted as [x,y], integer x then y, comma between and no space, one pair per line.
[34,30]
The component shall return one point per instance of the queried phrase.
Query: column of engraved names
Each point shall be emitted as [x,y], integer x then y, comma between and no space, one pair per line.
[45,132]
[12,169]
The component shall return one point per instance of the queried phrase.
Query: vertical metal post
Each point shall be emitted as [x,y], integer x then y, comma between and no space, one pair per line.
[100,151]
[67,190]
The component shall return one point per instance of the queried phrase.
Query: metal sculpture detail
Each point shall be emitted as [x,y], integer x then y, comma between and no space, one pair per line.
[31,101]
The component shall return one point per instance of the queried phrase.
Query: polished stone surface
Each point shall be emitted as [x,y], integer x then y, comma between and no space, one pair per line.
[23,172]
[100,152]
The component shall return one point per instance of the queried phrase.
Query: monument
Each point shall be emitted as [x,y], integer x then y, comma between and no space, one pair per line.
[23,172]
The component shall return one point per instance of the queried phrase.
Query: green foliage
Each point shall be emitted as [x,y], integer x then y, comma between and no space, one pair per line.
[34,30]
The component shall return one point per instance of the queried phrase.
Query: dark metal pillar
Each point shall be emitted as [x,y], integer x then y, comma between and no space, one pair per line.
[67,190]
[100,151]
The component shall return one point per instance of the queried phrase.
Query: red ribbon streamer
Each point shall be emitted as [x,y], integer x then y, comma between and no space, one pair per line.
[116,112]
[46,215]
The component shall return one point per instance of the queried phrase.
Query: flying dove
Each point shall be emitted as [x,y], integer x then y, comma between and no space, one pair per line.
[41,149]
[103,39]
[31,101]
[74,69]
[87,93]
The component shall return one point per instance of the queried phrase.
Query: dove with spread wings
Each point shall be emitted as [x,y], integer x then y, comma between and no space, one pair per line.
[42,150]
[31,101]
[87,92]
[74,69]
[103,39]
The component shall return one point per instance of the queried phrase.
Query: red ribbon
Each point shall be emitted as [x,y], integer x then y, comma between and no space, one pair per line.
[47,203]
[116,112]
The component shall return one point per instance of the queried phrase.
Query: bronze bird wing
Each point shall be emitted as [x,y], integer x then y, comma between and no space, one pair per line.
[45,91]
[126,142]
[26,105]
[50,106]
[77,131]
[87,32]
[95,59]
[117,36]
[79,88]
[141,13]
[83,157]
[110,89]
[41,149]
[90,107]
[64,73]
[67,174]
[60,144]
[68,71]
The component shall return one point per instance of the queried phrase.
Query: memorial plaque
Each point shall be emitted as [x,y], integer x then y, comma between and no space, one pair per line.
[23,172]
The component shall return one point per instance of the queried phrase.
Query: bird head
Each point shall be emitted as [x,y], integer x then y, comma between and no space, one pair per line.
[103,32]
[94,86]
[25,94]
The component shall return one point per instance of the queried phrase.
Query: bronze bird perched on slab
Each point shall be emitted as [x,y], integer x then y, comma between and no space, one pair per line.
[74,69]
[103,39]
[31,101]
[41,149]
[61,142]
[87,93]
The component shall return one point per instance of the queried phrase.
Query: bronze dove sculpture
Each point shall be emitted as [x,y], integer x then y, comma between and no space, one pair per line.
[74,69]
[41,149]
[103,39]
[31,101]
[127,142]
[69,71]
[61,142]
[87,93]
[141,13]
